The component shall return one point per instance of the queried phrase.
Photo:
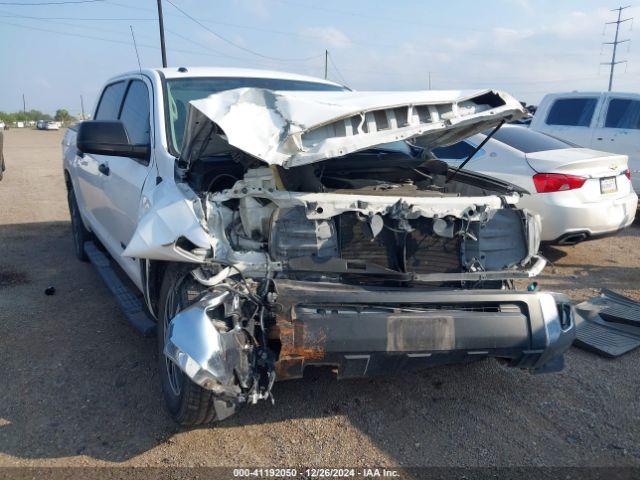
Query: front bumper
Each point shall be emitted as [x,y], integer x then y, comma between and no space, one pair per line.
[363,331]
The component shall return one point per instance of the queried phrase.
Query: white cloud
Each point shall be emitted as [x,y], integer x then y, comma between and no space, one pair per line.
[578,23]
[330,36]
[507,36]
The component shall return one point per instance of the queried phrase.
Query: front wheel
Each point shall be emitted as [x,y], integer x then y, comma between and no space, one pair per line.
[188,403]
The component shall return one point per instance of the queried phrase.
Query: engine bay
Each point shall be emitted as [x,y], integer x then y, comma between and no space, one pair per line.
[366,225]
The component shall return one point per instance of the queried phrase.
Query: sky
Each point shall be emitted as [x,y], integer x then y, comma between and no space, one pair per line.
[55,53]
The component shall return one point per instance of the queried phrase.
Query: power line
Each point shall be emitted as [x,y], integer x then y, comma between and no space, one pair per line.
[307,36]
[121,42]
[360,14]
[60,22]
[206,47]
[224,39]
[83,19]
[616,42]
[31,4]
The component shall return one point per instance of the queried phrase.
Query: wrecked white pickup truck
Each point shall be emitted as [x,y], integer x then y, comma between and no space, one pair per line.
[273,222]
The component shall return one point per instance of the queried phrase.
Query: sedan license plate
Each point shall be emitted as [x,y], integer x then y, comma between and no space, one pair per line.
[608,185]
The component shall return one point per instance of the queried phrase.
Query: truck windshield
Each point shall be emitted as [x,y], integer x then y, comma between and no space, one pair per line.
[182,90]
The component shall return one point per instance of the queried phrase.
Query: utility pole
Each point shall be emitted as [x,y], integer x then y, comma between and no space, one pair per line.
[24,104]
[429,80]
[82,106]
[162,47]
[616,42]
[326,59]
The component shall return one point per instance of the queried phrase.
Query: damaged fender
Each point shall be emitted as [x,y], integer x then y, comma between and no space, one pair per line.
[172,212]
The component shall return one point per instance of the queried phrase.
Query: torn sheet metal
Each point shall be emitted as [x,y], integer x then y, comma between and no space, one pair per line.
[297,128]
[173,211]
[608,324]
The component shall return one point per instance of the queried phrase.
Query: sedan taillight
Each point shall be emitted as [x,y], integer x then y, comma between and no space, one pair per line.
[557,182]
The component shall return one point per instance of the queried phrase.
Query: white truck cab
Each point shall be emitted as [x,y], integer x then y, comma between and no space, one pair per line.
[606,121]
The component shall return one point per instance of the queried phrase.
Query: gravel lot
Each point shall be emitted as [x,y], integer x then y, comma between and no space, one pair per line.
[79,386]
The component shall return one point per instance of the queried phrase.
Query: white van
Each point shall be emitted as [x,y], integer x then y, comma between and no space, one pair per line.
[606,121]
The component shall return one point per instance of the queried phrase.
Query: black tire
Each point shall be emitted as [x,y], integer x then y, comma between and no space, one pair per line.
[78,230]
[188,403]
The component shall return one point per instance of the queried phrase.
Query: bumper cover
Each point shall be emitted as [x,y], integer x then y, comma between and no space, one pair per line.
[365,331]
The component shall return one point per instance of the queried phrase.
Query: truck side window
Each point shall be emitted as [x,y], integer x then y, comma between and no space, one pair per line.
[110,102]
[623,113]
[135,113]
[573,112]
[457,151]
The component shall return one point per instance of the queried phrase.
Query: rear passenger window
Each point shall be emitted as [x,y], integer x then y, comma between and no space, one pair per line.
[110,101]
[623,114]
[135,113]
[457,151]
[573,112]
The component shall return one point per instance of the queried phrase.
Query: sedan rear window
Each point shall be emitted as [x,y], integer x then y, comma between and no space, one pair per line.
[528,141]
[572,112]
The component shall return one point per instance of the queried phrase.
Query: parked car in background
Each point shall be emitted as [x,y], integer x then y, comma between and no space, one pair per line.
[606,121]
[270,227]
[579,193]
[52,125]
[41,124]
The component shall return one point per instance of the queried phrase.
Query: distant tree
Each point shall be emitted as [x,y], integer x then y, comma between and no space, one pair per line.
[38,115]
[32,115]
[62,115]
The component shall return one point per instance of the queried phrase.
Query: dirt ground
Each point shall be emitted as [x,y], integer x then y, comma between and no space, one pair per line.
[79,387]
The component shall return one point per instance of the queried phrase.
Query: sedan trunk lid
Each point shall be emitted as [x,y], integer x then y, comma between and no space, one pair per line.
[583,162]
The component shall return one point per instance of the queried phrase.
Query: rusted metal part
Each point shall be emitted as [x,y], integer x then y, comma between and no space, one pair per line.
[298,342]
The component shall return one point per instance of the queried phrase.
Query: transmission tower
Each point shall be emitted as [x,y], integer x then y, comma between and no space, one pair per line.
[616,42]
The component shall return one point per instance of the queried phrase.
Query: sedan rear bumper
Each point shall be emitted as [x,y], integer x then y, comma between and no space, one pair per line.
[562,218]
[365,331]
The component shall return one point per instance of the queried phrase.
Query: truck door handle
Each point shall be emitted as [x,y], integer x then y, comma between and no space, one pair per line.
[103,168]
[599,138]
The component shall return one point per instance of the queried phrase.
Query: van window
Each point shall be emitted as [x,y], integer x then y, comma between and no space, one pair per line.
[623,113]
[110,101]
[573,112]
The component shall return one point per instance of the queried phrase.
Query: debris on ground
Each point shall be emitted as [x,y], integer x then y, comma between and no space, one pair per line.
[608,324]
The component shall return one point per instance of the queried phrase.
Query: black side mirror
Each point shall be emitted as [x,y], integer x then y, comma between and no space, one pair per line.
[107,137]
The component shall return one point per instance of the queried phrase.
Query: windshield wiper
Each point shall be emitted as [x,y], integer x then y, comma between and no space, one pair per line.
[476,150]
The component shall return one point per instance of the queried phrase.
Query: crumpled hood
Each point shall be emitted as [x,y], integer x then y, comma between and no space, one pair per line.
[295,128]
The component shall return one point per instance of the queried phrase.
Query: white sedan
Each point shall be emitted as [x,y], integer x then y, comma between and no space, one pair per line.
[580,193]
